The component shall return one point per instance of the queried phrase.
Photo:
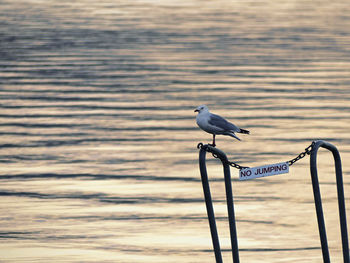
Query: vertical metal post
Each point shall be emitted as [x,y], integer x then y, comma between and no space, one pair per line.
[318,201]
[229,198]
[209,205]
[230,210]
[319,210]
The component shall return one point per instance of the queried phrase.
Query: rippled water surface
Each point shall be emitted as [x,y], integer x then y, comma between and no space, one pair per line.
[98,136]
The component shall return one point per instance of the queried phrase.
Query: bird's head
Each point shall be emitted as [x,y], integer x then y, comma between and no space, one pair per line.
[201,108]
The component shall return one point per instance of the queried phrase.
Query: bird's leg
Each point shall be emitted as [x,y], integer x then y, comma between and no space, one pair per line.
[213,141]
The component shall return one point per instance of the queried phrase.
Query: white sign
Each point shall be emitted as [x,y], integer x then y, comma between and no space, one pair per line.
[261,171]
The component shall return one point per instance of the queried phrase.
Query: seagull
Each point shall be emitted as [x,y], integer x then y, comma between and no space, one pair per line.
[216,124]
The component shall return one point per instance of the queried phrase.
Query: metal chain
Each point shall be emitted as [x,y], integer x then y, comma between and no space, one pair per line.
[302,155]
[235,165]
[290,163]
[232,164]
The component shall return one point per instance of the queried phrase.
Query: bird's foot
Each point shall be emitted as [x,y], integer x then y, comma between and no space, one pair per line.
[212,144]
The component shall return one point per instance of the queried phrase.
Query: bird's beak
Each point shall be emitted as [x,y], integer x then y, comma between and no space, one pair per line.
[196,110]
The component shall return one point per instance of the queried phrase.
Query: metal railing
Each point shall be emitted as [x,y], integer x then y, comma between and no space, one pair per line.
[318,200]
[312,150]
[209,204]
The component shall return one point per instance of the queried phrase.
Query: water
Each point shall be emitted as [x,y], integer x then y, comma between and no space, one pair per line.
[98,136]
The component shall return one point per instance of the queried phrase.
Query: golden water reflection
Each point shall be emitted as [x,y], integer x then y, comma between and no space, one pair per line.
[98,136]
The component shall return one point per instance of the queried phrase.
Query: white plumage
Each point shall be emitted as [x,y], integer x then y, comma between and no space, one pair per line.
[216,124]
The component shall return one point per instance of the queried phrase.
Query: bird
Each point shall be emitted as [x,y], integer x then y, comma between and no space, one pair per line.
[216,124]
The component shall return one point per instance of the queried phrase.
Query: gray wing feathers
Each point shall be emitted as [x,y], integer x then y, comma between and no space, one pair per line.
[220,122]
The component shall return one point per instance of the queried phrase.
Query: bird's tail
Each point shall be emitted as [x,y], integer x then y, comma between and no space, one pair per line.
[232,135]
[244,131]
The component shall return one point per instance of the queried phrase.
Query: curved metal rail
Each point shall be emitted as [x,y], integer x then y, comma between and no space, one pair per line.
[318,200]
[208,201]
[317,197]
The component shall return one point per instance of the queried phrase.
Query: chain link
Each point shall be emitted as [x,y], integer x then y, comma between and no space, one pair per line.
[236,165]
[302,155]
[240,167]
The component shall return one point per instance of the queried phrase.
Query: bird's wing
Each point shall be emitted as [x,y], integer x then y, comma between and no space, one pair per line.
[221,123]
